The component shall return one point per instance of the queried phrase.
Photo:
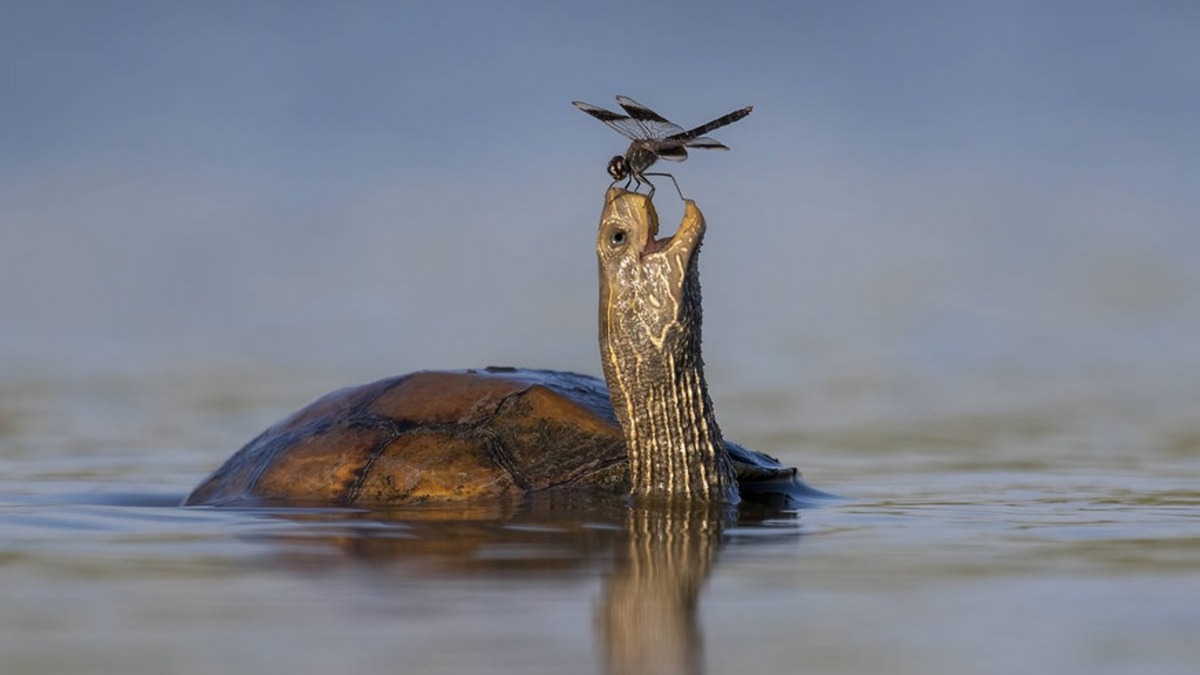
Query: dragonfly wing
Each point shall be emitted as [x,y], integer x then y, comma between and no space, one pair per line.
[622,124]
[706,143]
[653,124]
[673,153]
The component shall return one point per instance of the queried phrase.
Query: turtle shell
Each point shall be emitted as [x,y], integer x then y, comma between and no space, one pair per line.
[449,436]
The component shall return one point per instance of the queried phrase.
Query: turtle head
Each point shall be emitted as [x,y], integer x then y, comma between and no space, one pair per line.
[618,168]
[649,287]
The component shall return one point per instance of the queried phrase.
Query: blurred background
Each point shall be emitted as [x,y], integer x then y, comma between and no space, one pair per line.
[934,190]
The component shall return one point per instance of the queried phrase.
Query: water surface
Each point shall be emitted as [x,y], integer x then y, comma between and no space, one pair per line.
[980,532]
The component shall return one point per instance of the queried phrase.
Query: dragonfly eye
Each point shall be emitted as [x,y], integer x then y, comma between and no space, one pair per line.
[617,168]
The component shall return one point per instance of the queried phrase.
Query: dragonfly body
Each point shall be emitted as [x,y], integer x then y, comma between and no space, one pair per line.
[653,137]
[639,157]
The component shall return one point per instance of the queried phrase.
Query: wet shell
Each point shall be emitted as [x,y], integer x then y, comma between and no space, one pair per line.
[431,437]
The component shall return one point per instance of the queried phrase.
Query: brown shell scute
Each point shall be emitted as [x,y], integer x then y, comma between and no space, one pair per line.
[432,436]
[323,467]
[443,398]
[431,465]
[586,443]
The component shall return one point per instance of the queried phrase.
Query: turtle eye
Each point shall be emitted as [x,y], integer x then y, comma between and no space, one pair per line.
[617,238]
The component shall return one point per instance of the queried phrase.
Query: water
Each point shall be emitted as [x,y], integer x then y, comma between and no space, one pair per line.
[981,532]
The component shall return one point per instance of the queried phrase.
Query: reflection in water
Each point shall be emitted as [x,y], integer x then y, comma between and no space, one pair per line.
[648,613]
[660,558]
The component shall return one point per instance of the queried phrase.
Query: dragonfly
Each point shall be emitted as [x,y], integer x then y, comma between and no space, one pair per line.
[654,137]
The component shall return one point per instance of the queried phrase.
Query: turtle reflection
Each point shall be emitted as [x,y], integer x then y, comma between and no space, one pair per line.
[655,562]
[647,616]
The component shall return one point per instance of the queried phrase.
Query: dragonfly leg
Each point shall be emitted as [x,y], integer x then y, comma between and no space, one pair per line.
[672,180]
[628,182]
[641,180]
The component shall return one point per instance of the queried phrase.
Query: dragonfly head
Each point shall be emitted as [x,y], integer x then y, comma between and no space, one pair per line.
[618,168]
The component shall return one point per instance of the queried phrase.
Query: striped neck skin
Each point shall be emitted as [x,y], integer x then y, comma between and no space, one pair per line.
[650,317]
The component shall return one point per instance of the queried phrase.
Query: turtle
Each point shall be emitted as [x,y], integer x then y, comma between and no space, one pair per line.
[647,432]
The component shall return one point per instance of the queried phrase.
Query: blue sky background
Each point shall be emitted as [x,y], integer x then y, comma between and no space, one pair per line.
[923,187]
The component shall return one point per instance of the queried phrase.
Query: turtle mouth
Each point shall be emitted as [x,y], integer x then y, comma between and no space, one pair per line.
[652,243]
[655,245]
[685,237]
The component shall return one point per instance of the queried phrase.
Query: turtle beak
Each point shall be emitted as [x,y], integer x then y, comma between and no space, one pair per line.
[687,238]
